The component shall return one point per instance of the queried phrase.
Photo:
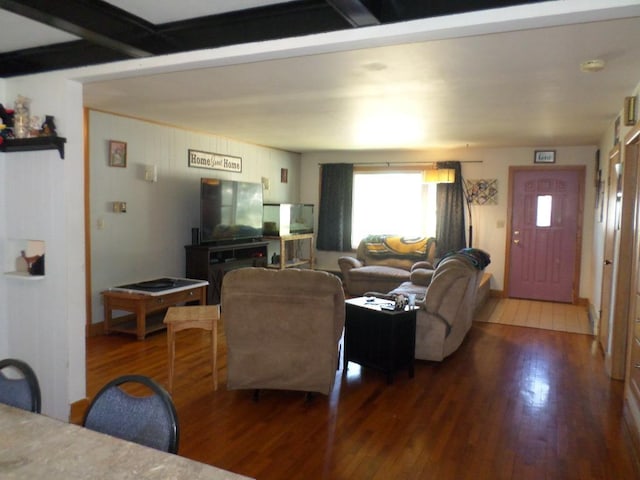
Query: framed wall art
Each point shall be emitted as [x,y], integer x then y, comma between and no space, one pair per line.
[117,154]
[482,192]
[630,111]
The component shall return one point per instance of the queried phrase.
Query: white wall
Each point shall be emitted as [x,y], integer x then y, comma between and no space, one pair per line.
[43,199]
[4,324]
[148,240]
[487,235]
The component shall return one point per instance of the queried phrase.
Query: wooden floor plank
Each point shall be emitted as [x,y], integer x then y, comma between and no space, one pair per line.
[511,403]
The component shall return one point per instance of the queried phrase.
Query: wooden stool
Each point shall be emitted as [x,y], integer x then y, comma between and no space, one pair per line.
[182,318]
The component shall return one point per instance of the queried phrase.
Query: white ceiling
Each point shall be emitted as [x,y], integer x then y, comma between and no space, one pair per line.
[164,12]
[511,88]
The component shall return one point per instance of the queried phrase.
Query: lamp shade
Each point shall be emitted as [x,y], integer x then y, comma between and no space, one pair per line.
[441,175]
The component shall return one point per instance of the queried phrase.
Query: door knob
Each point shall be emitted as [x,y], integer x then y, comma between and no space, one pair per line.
[607,262]
[517,242]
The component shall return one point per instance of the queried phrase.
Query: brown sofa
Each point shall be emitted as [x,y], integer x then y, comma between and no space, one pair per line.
[383,262]
[446,314]
[283,328]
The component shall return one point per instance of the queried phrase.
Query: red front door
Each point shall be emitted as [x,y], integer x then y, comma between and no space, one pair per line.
[545,233]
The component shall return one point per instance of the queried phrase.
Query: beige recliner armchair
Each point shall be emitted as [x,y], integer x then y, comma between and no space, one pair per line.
[446,315]
[283,329]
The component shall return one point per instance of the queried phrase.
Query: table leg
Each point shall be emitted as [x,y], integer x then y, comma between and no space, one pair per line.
[141,319]
[214,349]
[171,344]
[107,316]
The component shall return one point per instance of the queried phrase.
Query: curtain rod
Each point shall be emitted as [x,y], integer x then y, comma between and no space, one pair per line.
[400,164]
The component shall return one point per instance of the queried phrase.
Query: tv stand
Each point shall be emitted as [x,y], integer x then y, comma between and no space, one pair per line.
[212,262]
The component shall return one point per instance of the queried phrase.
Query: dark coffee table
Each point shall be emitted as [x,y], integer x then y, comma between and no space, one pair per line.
[381,339]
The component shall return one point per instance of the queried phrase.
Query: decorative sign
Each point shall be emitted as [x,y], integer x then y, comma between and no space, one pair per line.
[544,156]
[214,161]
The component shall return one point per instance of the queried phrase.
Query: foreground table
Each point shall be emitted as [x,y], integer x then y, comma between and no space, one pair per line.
[38,447]
[148,297]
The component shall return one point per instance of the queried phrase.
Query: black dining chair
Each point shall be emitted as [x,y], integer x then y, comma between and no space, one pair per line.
[149,420]
[20,388]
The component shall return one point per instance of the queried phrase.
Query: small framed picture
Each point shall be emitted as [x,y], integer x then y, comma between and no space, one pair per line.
[117,154]
[630,111]
[284,175]
[544,156]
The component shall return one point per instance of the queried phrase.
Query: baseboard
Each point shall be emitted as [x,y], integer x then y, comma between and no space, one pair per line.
[95,329]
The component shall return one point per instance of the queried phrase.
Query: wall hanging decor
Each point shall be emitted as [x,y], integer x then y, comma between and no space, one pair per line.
[117,154]
[544,156]
[482,192]
[630,112]
[214,161]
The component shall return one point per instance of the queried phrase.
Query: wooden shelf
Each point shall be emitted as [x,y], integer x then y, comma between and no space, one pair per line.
[286,262]
[291,264]
[23,275]
[34,143]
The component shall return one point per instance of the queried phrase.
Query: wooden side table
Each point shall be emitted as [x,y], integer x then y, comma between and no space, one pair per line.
[384,340]
[183,318]
[142,303]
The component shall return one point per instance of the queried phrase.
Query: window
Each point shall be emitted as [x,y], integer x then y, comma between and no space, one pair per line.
[392,203]
[543,217]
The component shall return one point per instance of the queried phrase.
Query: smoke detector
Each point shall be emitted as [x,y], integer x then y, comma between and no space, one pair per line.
[590,66]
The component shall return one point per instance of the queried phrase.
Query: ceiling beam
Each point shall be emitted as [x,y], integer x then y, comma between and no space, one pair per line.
[354,12]
[290,19]
[97,22]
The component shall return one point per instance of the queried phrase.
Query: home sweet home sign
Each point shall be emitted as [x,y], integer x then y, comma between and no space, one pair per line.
[214,161]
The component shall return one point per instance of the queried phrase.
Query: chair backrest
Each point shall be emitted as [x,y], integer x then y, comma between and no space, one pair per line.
[282,328]
[149,420]
[21,391]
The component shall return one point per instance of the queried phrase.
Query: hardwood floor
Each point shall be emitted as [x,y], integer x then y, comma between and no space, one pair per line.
[511,403]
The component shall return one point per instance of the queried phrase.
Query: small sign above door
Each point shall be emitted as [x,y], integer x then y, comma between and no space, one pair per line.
[544,156]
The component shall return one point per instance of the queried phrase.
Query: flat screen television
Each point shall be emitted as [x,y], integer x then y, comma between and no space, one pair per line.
[230,211]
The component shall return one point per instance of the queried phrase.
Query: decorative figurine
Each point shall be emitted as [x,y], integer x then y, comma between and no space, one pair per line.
[48,128]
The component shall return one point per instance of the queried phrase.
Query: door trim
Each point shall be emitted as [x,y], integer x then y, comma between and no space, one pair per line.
[580,169]
[609,250]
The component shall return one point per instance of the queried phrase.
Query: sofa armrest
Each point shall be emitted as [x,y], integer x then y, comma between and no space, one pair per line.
[347,263]
[421,276]
[422,264]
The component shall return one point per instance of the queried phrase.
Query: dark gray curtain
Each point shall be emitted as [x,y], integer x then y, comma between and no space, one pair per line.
[450,227]
[334,217]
